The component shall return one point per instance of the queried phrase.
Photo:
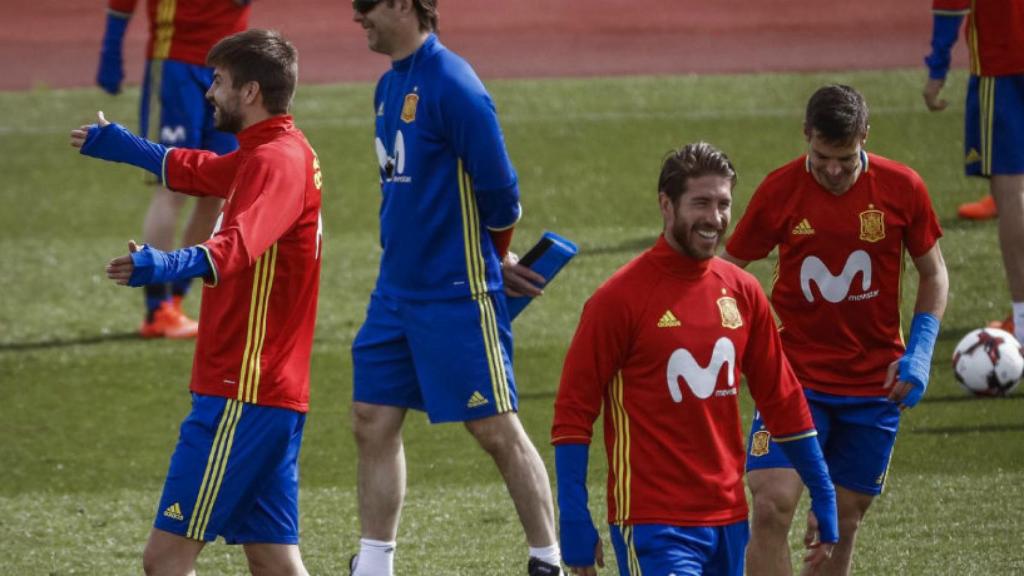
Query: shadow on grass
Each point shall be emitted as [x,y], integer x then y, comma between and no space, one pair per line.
[67,342]
[634,245]
[967,398]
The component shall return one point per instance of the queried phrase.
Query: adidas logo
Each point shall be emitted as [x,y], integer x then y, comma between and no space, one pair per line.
[476,400]
[972,157]
[174,512]
[669,320]
[803,228]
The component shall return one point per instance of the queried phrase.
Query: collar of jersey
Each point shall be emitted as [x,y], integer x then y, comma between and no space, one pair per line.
[430,46]
[261,132]
[677,264]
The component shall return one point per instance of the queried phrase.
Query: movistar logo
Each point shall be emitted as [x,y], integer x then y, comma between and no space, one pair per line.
[701,379]
[172,134]
[836,288]
[392,165]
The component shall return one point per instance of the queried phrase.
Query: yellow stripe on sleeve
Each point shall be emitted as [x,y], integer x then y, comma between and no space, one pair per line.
[164,28]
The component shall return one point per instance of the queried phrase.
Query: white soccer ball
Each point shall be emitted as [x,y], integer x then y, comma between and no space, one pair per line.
[988,362]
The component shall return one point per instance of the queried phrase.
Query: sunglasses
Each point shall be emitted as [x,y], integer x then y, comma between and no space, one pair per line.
[364,6]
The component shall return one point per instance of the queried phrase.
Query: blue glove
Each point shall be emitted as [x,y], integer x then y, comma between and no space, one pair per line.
[577,534]
[916,364]
[152,266]
[805,455]
[116,143]
[111,70]
[945,28]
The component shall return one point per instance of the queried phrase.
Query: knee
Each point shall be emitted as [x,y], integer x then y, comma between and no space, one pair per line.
[498,435]
[373,426]
[152,562]
[773,509]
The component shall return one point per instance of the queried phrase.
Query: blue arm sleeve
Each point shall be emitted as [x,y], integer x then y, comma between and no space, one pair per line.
[945,28]
[916,364]
[111,68]
[577,534]
[805,455]
[117,144]
[152,266]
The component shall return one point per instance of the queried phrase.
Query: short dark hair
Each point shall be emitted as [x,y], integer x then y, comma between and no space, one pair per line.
[693,161]
[838,113]
[264,57]
[426,11]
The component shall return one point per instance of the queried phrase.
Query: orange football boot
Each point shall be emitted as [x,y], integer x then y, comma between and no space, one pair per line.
[984,209]
[169,322]
[1004,325]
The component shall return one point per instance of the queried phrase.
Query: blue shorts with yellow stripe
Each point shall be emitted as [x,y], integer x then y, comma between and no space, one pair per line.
[234,473]
[994,126]
[856,434]
[174,110]
[450,358]
[659,549]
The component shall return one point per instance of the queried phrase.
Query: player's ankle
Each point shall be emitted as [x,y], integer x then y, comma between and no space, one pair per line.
[375,557]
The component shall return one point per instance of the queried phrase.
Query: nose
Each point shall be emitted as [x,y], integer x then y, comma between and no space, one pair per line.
[357,16]
[834,169]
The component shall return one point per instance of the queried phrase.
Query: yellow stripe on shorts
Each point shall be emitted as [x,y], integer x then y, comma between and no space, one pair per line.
[216,464]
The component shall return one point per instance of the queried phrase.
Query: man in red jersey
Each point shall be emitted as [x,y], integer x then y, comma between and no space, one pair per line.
[661,345]
[175,111]
[234,472]
[994,119]
[841,219]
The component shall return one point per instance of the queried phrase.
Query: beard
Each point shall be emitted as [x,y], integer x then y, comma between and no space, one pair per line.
[693,245]
[227,119]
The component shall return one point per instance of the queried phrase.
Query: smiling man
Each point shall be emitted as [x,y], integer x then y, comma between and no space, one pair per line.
[842,219]
[660,347]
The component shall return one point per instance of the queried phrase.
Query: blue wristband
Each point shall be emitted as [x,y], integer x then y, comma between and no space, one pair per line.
[577,534]
[805,455]
[916,364]
[945,28]
[152,266]
[111,68]
[116,143]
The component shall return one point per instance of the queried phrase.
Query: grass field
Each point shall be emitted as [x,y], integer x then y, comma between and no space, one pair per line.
[89,414]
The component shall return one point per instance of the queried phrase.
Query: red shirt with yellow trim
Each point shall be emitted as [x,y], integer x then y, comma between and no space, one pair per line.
[660,346]
[257,317]
[994,33]
[185,30]
[841,259]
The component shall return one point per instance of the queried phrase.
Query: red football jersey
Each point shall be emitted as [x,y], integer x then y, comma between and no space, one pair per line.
[258,313]
[661,345]
[994,32]
[841,259]
[185,30]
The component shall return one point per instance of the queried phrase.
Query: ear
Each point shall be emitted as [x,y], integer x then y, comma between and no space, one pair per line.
[250,92]
[665,204]
[807,133]
[864,139]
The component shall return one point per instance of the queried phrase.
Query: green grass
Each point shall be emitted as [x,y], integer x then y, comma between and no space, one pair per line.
[89,415]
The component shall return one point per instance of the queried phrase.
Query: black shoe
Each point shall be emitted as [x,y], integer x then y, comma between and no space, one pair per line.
[538,567]
[352,564]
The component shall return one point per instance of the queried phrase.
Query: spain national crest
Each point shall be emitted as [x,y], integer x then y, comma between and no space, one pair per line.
[409,108]
[872,224]
[759,443]
[730,312]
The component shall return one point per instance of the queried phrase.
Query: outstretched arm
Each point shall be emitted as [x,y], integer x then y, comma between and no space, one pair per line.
[146,265]
[113,142]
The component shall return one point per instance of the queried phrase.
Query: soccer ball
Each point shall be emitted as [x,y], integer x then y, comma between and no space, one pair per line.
[988,362]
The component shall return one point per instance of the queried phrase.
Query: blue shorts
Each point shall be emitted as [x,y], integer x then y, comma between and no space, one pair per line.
[994,125]
[450,358]
[174,110]
[234,473]
[856,434]
[657,549]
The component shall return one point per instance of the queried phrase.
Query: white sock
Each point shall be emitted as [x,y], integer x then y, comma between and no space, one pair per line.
[1018,320]
[549,554]
[376,558]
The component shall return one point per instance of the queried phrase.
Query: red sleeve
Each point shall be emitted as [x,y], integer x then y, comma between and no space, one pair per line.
[595,356]
[775,388]
[756,234]
[268,200]
[956,6]
[923,230]
[502,239]
[122,6]
[199,172]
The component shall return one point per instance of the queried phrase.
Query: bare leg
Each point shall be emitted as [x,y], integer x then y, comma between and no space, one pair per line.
[274,560]
[381,468]
[776,492]
[503,437]
[200,223]
[1008,191]
[851,507]
[168,554]
[162,219]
